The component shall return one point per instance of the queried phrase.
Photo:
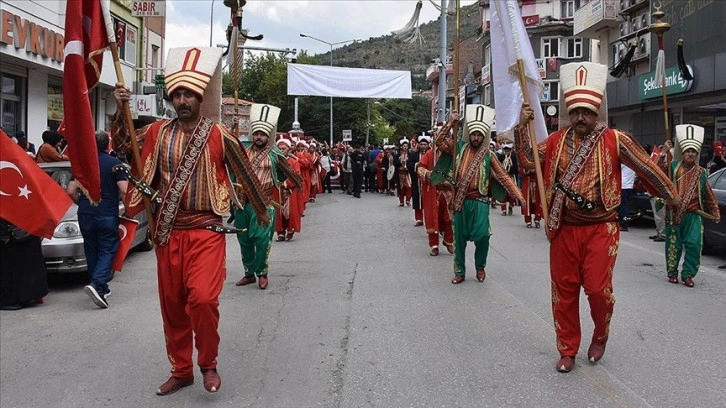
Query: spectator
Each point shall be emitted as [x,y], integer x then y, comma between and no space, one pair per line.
[23,279]
[99,223]
[48,151]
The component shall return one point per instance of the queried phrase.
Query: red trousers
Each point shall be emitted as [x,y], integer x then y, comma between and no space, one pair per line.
[582,256]
[418,215]
[191,273]
[404,194]
[444,223]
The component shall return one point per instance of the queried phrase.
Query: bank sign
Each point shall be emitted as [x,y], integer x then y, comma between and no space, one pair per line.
[675,84]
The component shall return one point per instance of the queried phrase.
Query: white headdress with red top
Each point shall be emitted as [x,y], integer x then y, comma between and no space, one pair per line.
[583,85]
[198,69]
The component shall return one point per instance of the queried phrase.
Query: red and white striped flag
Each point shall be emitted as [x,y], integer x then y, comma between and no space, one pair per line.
[86,40]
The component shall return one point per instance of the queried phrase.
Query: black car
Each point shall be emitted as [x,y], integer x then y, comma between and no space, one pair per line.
[714,235]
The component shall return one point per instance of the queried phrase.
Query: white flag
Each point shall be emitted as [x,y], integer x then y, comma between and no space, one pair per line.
[510,43]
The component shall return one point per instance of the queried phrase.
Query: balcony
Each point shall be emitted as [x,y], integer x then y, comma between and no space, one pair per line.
[595,16]
[432,73]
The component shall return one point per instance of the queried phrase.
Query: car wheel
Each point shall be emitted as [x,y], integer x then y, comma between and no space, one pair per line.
[145,246]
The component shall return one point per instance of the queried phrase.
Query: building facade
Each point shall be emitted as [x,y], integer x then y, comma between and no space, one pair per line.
[635,101]
[31,63]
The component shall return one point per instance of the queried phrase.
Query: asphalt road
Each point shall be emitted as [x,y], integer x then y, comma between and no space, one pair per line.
[358,314]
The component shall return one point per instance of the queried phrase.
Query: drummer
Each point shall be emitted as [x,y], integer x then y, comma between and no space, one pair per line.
[389,169]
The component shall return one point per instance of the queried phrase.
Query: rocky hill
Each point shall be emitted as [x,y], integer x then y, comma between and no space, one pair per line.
[386,52]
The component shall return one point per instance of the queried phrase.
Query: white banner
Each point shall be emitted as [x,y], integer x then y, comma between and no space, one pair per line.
[323,80]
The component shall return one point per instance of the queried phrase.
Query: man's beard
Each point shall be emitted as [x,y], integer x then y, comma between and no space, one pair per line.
[475,144]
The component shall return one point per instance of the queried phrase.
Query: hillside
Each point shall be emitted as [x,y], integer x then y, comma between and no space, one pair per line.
[386,52]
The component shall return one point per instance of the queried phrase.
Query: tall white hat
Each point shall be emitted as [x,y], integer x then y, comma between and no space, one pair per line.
[583,85]
[404,140]
[424,138]
[198,69]
[687,137]
[478,118]
[263,118]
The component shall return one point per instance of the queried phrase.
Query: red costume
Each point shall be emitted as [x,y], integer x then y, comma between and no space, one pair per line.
[436,199]
[305,160]
[288,218]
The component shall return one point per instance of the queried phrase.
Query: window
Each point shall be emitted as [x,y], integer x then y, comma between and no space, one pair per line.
[569,7]
[10,106]
[550,47]
[573,47]
[488,95]
[551,91]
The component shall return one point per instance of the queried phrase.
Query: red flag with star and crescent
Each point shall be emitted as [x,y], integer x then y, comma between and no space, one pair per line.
[126,230]
[86,40]
[29,198]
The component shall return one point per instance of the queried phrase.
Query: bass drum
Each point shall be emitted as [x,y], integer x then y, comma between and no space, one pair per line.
[391,172]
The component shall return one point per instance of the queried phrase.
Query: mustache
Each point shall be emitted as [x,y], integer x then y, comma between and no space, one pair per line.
[184,107]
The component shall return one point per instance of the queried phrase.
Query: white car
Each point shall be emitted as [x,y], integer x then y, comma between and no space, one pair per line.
[63,252]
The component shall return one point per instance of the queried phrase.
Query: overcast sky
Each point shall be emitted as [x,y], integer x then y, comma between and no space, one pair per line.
[282,21]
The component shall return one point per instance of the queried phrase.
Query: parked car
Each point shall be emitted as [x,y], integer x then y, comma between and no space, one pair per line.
[714,235]
[63,252]
[639,203]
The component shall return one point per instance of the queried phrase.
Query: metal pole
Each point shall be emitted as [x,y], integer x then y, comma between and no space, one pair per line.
[441,114]
[211,23]
[331,100]
[368,120]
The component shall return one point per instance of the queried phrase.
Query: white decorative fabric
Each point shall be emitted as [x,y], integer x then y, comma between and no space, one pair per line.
[510,42]
[323,80]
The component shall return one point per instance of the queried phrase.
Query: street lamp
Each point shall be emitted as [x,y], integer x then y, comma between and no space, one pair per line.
[211,23]
[331,64]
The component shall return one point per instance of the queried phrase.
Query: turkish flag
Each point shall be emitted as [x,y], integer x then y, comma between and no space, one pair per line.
[86,40]
[29,198]
[126,230]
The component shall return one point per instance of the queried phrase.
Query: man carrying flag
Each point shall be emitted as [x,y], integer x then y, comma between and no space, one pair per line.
[186,161]
[581,164]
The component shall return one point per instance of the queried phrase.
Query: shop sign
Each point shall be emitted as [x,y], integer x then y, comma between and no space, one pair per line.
[35,38]
[675,84]
[148,8]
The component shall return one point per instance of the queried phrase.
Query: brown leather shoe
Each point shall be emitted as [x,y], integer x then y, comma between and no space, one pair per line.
[280,237]
[434,251]
[673,279]
[481,274]
[418,223]
[263,282]
[246,281]
[457,279]
[174,384]
[212,382]
[450,248]
[596,351]
[289,235]
[565,364]
[688,282]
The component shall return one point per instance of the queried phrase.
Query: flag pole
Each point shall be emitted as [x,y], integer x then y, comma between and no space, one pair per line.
[530,124]
[455,130]
[659,28]
[126,110]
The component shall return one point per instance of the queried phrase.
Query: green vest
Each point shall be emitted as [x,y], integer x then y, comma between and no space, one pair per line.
[444,172]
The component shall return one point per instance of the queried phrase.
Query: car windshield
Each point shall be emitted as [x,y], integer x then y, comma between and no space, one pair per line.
[61,175]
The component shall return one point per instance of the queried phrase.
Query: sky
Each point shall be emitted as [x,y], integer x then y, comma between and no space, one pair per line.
[282,21]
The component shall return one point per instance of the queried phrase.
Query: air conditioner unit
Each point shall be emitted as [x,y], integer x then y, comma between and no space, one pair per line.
[618,52]
[643,45]
[624,28]
[634,25]
[644,23]
[624,4]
